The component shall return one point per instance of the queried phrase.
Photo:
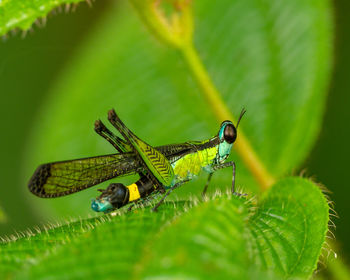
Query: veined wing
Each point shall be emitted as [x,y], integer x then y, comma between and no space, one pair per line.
[66,177]
[175,151]
[156,162]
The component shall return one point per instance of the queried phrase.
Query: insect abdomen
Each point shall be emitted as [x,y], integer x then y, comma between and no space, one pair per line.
[141,188]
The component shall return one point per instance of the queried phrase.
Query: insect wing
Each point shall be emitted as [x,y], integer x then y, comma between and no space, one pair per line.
[154,160]
[66,177]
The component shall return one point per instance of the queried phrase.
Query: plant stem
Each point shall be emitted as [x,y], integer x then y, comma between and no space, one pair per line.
[220,110]
[177,31]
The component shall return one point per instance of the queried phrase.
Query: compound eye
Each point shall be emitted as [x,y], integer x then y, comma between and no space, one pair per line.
[230,133]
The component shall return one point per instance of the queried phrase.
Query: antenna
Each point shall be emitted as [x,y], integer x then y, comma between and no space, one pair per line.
[240,116]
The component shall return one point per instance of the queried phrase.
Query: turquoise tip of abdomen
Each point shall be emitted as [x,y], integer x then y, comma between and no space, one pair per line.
[99,206]
[94,206]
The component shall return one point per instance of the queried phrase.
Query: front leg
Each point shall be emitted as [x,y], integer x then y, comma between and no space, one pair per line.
[228,164]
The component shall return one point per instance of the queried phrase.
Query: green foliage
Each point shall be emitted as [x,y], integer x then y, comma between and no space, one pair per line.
[2,216]
[225,237]
[337,269]
[274,60]
[278,74]
[22,14]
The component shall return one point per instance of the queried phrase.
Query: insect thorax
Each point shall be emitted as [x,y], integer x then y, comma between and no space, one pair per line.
[191,164]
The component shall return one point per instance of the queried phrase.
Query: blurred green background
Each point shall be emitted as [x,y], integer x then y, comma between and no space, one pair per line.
[29,67]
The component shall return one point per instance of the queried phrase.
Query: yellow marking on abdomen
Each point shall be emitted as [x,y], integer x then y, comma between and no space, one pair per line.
[134,193]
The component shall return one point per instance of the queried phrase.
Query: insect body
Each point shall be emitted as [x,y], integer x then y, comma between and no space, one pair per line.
[161,169]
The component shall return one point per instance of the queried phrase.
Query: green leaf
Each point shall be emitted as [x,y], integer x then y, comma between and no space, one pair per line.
[22,14]
[105,245]
[278,74]
[284,234]
[273,59]
[25,247]
[226,237]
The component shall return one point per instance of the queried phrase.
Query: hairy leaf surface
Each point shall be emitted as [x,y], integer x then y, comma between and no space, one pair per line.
[22,14]
[226,237]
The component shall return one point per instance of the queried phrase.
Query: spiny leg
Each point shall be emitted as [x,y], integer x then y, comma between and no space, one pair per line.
[160,171]
[228,164]
[114,140]
[234,179]
[154,209]
[120,126]
[207,184]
